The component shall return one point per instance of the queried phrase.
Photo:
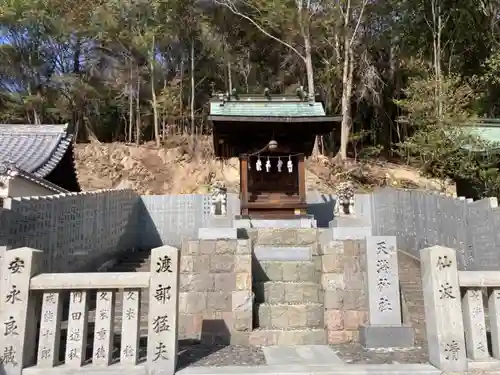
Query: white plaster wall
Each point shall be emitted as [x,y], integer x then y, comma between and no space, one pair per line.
[20,187]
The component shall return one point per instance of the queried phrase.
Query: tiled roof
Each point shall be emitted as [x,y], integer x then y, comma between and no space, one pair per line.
[35,149]
[263,108]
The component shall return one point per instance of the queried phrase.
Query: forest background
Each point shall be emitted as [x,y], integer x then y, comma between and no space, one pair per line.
[407,77]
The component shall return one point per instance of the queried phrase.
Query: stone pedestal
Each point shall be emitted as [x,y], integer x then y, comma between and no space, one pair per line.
[383,336]
[217,233]
[385,328]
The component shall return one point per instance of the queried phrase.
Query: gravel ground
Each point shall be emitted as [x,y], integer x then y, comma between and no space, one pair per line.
[231,355]
[356,354]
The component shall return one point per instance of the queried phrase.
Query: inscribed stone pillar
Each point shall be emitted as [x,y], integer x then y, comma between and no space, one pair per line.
[443,310]
[494,314]
[383,280]
[130,326]
[17,310]
[50,325]
[76,342]
[384,328]
[103,329]
[475,325]
[163,310]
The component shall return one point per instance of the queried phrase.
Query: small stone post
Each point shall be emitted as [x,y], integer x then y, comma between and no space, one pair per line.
[494,313]
[163,310]
[385,328]
[17,309]
[443,309]
[475,325]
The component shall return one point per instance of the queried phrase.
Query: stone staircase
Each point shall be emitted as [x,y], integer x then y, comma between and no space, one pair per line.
[413,300]
[288,305]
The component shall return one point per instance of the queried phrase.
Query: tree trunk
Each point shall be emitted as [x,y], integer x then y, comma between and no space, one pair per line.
[130,107]
[192,88]
[138,112]
[229,78]
[345,127]
[153,97]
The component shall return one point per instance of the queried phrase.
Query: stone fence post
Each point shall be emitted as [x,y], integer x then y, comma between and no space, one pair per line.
[18,309]
[443,309]
[163,311]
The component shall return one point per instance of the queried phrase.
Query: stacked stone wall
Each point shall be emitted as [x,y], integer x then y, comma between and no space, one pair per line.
[344,286]
[215,299]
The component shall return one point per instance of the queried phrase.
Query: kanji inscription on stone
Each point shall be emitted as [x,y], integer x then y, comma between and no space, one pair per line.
[163,310]
[383,281]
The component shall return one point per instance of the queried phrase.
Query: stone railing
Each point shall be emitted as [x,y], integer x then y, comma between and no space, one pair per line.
[455,313]
[32,309]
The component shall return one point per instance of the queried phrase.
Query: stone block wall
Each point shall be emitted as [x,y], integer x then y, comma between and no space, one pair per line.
[215,299]
[420,219]
[344,286]
[75,231]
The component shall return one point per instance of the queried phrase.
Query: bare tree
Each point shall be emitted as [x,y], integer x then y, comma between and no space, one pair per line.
[352,20]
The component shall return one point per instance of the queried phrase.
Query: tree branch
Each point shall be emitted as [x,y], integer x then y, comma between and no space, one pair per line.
[229,5]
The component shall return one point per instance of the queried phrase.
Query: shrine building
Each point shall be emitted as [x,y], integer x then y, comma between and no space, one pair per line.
[271,136]
[36,160]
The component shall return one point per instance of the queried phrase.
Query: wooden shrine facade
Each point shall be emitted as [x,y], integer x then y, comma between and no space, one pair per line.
[272,137]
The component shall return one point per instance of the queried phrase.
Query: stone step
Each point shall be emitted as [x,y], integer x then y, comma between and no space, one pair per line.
[284,271]
[269,337]
[284,236]
[290,316]
[282,253]
[287,292]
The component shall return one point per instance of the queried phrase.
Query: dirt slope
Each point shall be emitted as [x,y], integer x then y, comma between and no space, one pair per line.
[171,170]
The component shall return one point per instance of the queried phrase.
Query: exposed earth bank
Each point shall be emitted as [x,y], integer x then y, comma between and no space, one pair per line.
[173,170]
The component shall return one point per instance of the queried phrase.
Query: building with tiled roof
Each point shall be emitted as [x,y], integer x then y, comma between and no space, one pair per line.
[36,160]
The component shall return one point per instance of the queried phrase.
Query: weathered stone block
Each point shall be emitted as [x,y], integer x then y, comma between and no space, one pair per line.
[355,299]
[241,301]
[334,320]
[218,301]
[332,263]
[225,246]
[301,292]
[333,281]
[187,264]
[242,321]
[332,247]
[244,247]
[195,302]
[277,237]
[221,263]
[273,271]
[196,282]
[334,299]
[243,263]
[353,319]
[243,281]
[200,264]
[191,247]
[224,282]
[207,247]
[341,337]
[240,338]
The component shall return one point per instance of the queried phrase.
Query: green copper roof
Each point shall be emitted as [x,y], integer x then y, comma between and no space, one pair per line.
[273,108]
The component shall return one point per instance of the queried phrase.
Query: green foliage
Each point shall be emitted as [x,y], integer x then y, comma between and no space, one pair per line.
[441,143]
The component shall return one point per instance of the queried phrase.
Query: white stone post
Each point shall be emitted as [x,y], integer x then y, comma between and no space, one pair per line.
[103,329]
[443,309]
[163,310]
[50,325]
[131,315]
[17,309]
[384,328]
[76,341]
[475,325]
[494,313]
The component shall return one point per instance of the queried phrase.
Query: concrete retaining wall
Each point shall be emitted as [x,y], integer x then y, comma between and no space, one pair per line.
[76,231]
[420,219]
